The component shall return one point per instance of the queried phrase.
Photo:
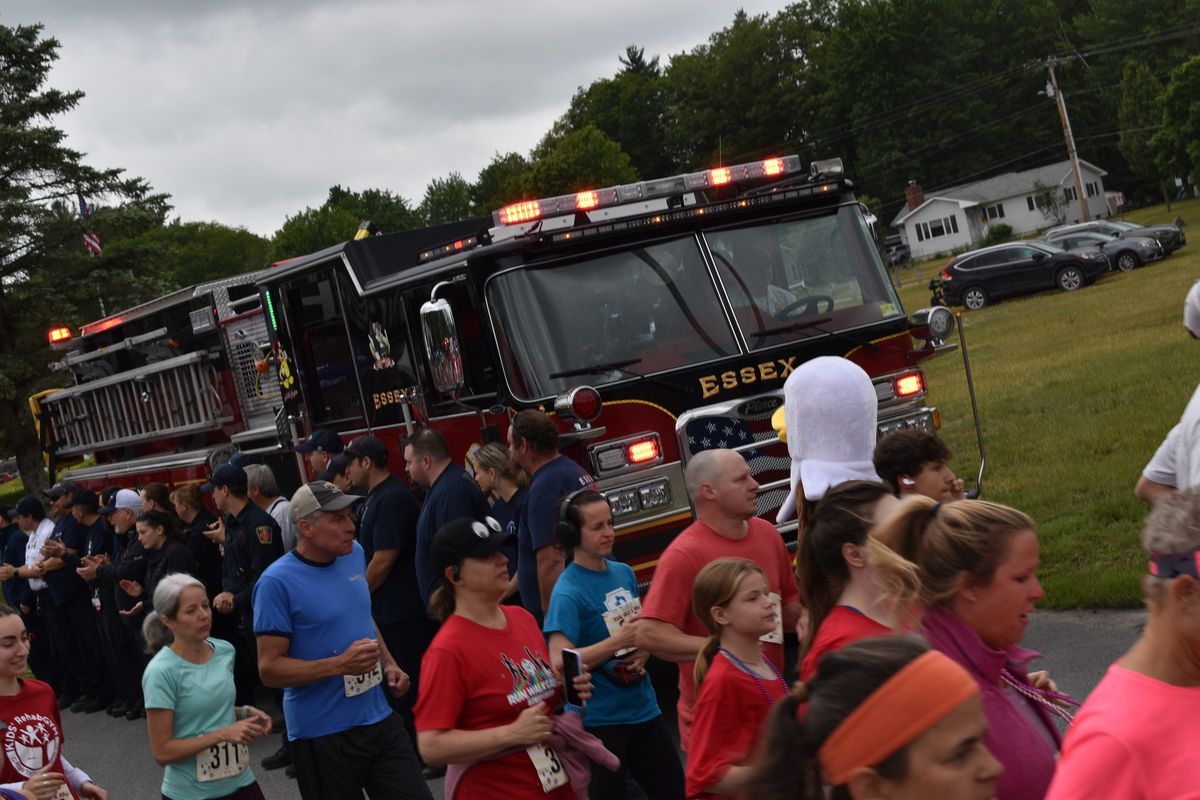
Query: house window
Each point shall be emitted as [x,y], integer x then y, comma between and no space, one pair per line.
[920,233]
[936,228]
[1069,193]
[1092,189]
[1029,200]
[997,211]
[952,221]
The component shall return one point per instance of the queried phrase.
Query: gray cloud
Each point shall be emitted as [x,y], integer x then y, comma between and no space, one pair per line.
[247,112]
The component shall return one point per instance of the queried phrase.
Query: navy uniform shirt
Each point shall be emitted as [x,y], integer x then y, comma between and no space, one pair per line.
[252,541]
[207,554]
[64,583]
[12,552]
[453,495]
[389,522]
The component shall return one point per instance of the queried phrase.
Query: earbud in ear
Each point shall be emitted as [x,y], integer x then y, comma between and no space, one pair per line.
[907,482]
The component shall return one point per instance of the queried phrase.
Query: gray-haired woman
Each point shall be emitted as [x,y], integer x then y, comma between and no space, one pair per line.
[195,730]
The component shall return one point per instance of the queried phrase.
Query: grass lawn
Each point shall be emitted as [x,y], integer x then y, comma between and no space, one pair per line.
[1075,391]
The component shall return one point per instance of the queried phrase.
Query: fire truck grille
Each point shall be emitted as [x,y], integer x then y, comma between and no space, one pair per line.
[258,392]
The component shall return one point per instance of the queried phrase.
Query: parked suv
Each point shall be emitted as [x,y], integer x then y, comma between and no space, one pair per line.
[1170,236]
[898,254]
[983,276]
[1123,254]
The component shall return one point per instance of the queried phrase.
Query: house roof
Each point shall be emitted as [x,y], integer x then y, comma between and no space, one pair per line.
[998,187]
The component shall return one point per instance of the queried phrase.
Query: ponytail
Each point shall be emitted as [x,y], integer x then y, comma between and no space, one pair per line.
[786,769]
[157,634]
[442,603]
[705,657]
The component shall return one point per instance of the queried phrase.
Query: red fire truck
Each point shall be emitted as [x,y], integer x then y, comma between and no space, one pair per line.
[654,320]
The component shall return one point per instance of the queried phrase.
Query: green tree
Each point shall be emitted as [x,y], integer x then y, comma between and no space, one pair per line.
[446,200]
[47,278]
[501,182]
[338,218]
[1139,117]
[1177,145]
[195,252]
[582,159]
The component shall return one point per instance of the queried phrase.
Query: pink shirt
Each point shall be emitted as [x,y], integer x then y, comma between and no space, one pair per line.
[1135,737]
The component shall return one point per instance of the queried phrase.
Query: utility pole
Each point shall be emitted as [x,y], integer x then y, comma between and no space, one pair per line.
[1066,123]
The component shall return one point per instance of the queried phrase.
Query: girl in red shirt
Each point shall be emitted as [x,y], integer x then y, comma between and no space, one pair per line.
[841,568]
[737,683]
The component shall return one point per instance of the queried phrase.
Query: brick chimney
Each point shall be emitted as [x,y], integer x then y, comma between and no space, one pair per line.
[914,195]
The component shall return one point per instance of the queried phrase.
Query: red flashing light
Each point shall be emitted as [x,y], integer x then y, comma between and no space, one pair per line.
[458,245]
[772,167]
[720,176]
[585,404]
[58,335]
[520,212]
[586,200]
[644,450]
[908,385]
[102,325]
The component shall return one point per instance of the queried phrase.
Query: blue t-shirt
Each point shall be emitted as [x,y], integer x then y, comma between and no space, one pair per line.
[550,485]
[453,495]
[201,697]
[389,522]
[322,609]
[580,600]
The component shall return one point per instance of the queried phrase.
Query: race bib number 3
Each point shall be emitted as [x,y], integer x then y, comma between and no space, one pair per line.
[357,684]
[222,760]
[775,636]
[550,770]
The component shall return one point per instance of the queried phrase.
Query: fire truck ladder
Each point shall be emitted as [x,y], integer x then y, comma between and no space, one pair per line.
[169,398]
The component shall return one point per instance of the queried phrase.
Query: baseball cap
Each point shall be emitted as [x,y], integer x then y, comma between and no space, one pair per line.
[124,498]
[1191,310]
[28,505]
[243,459]
[368,447]
[337,466]
[59,489]
[465,538]
[228,476]
[85,498]
[321,439]
[318,496]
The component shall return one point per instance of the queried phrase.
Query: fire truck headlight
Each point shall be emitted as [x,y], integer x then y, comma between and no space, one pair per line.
[655,494]
[623,502]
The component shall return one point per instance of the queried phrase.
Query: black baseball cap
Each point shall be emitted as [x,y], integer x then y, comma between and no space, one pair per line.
[321,439]
[27,506]
[85,498]
[465,538]
[368,447]
[228,476]
[337,466]
[243,459]
[59,489]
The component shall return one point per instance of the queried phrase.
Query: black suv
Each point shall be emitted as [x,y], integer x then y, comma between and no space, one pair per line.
[980,277]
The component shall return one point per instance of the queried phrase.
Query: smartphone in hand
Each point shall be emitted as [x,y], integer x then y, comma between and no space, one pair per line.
[572,668]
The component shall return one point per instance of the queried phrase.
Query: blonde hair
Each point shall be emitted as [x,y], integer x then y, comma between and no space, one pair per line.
[716,585]
[493,455]
[947,540]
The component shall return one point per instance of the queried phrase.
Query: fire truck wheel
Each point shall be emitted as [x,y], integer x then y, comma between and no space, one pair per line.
[975,298]
[1126,262]
[1070,279]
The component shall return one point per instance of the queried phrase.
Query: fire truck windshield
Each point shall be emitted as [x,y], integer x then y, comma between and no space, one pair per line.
[657,306]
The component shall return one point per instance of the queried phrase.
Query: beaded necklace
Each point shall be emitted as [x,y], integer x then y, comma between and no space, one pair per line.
[1050,700]
[757,681]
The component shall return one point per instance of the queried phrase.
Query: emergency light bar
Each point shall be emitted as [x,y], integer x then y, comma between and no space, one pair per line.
[753,171]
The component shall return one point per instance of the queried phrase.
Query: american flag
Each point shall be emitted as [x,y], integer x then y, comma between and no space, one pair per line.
[768,463]
[91,241]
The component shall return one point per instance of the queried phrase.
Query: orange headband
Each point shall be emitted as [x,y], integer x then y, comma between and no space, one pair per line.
[905,706]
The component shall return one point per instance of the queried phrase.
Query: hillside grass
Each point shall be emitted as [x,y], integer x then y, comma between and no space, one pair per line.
[1076,391]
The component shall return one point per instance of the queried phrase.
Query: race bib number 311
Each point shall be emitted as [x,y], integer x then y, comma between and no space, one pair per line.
[775,636]
[222,760]
[550,770]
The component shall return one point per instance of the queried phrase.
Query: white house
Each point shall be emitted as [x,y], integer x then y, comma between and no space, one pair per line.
[958,217]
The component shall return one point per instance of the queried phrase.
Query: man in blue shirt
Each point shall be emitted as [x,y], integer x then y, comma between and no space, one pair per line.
[450,494]
[533,443]
[12,554]
[316,640]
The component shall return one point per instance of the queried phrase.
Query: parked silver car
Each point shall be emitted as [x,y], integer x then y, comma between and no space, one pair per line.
[1122,253]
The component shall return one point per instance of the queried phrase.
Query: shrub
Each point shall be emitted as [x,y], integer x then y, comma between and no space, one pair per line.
[996,234]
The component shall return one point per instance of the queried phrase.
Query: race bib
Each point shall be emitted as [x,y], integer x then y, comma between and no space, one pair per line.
[617,617]
[63,793]
[550,770]
[222,760]
[357,684]
[775,636]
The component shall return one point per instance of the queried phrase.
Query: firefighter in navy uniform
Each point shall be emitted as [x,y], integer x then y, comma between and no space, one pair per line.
[251,540]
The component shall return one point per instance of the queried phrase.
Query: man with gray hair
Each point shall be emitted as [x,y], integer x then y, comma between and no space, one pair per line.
[1176,463]
[725,496]
[263,491]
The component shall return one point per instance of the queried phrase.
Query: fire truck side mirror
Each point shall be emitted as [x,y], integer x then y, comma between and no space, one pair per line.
[441,345]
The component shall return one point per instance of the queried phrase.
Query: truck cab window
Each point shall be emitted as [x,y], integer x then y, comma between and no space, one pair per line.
[323,354]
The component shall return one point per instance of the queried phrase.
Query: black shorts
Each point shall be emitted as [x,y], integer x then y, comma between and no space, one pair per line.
[377,758]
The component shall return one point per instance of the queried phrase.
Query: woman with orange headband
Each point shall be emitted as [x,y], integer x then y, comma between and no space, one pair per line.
[1138,733]
[884,719]
[978,567]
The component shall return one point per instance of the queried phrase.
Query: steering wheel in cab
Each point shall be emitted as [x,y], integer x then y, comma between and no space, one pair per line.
[811,305]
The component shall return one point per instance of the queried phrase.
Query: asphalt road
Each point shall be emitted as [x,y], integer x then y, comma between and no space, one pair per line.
[1077,647]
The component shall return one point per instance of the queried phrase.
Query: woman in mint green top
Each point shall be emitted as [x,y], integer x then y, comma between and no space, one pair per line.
[195,730]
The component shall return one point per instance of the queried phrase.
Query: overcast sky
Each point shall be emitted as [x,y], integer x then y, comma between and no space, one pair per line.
[247,112]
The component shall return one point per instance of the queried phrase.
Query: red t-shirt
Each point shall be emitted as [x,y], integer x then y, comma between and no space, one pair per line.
[844,626]
[670,597]
[32,735]
[728,723]
[474,678]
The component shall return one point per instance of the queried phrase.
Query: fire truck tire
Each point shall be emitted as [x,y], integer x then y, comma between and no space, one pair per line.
[1127,261]
[975,297]
[1069,278]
